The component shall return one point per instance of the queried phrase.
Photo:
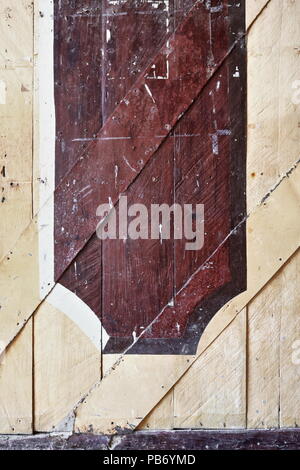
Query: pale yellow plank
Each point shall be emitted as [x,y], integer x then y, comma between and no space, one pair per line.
[273,372]
[264,318]
[15,204]
[162,416]
[16,29]
[253,9]
[273,66]
[66,365]
[16,125]
[122,397]
[290,345]
[16,385]
[273,146]
[212,394]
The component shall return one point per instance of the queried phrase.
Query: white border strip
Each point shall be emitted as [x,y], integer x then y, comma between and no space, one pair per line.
[45,67]
[60,297]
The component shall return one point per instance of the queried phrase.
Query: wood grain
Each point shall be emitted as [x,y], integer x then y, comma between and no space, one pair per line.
[16,392]
[273,131]
[263,378]
[213,392]
[66,364]
[289,345]
[275,439]
[152,120]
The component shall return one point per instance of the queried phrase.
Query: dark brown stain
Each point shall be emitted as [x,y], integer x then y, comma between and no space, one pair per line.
[273,439]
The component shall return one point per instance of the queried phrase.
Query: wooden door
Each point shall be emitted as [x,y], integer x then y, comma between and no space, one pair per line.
[162,102]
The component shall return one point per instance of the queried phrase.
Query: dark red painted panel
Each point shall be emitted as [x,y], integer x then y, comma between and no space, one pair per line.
[92,75]
[138,275]
[180,138]
[78,78]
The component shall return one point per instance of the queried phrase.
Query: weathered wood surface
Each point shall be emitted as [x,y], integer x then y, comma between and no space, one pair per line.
[282,54]
[264,245]
[132,118]
[212,394]
[161,440]
[273,368]
[62,374]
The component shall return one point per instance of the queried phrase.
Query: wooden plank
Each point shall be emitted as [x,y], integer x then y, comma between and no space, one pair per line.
[16,385]
[213,392]
[103,411]
[275,439]
[66,365]
[138,275]
[16,120]
[273,377]
[77,77]
[273,125]
[263,384]
[253,9]
[162,416]
[273,131]
[16,75]
[290,345]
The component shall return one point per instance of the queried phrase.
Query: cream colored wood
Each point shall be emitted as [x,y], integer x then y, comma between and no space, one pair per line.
[264,319]
[273,118]
[66,365]
[162,416]
[290,344]
[253,9]
[273,351]
[16,385]
[212,394]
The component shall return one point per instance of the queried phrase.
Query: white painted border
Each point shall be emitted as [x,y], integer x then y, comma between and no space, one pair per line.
[46,112]
[60,297]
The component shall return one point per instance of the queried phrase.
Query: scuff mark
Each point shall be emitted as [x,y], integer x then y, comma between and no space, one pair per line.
[149,92]
[128,164]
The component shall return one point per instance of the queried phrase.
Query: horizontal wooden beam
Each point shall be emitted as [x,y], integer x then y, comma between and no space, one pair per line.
[284,439]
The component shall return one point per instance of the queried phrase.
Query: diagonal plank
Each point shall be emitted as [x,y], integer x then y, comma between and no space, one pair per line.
[116,403]
[139,125]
